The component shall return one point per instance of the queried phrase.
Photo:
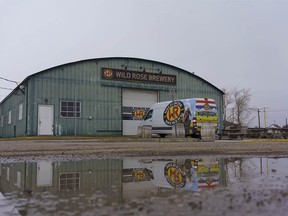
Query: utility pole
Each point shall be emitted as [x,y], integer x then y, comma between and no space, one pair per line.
[264,115]
[258,110]
[264,110]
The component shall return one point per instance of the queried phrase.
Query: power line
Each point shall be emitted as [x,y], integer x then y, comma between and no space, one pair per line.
[6,88]
[284,110]
[9,80]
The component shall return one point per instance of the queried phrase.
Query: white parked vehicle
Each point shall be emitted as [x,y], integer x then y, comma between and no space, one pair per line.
[191,112]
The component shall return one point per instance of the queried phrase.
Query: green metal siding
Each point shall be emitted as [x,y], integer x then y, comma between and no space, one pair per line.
[16,127]
[101,175]
[100,99]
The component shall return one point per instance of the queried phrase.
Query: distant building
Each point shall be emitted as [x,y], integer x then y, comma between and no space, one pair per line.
[105,96]
[274,126]
[276,131]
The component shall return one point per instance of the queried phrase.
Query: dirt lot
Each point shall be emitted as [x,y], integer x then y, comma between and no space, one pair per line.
[127,147]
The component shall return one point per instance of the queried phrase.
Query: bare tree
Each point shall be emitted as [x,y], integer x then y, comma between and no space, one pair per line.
[236,106]
[227,102]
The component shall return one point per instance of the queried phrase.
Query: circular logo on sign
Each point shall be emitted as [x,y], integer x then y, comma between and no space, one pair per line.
[174,175]
[139,174]
[206,107]
[138,113]
[173,113]
[209,181]
[108,73]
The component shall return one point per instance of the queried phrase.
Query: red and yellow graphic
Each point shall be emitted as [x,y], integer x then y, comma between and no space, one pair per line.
[138,113]
[173,113]
[206,106]
[208,174]
[174,175]
[107,73]
[139,174]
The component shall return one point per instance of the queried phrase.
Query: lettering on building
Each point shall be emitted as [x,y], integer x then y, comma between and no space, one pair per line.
[115,74]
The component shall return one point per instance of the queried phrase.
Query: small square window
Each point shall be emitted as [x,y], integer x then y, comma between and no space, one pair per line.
[69,181]
[70,109]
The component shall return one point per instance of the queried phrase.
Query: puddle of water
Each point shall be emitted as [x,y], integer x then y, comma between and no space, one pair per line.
[176,186]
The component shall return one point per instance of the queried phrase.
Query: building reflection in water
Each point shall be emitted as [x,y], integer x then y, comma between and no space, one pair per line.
[74,186]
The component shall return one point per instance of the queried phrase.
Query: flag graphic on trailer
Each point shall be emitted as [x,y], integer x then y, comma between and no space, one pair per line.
[205,103]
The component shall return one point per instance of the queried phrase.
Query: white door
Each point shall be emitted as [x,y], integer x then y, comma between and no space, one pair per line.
[44,173]
[45,119]
[135,103]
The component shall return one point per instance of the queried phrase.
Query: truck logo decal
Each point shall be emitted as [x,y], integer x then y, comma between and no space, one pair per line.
[174,175]
[173,113]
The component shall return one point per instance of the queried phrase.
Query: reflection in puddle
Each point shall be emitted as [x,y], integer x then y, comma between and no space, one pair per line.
[187,174]
[129,186]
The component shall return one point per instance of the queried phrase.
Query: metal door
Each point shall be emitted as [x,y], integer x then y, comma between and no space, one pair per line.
[135,102]
[44,174]
[45,119]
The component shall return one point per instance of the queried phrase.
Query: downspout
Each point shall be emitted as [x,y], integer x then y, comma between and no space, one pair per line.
[26,108]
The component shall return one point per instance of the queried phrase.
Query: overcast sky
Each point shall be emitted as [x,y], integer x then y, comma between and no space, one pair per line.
[230,43]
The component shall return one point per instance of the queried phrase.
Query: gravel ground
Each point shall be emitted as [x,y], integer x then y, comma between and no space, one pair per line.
[133,147]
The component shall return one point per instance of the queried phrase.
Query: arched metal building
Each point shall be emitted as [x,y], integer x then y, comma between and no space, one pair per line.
[96,97]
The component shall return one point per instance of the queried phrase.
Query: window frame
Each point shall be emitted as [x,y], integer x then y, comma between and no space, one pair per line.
[148,115]
[2,120]
[67,182]
[69,110]
[20,117]
[9,116]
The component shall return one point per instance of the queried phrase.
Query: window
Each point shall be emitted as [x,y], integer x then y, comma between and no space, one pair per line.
[18,179]
[20,111]
[148,115]
[70,109]
[9,117]
[69,181]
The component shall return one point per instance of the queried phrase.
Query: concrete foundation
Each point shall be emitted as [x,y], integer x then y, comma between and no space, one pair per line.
[144,131]
[179,132]
[207,131]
